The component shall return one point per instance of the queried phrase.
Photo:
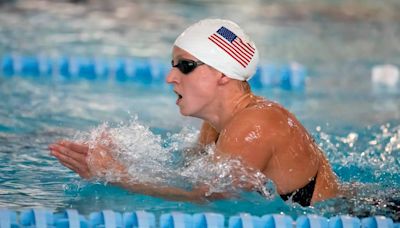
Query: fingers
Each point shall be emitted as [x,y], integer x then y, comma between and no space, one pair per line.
[84,174]
[78,147]
[74,156]
[77,165]
[67,152]
[70,159]
[71,164]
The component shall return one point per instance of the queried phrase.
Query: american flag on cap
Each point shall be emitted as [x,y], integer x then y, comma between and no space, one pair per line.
[230,43]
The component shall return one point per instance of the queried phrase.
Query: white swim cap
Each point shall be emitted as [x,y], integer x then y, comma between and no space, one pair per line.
[223,45]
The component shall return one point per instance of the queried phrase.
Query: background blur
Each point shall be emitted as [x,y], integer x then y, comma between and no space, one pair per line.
[338,41]
[311,31]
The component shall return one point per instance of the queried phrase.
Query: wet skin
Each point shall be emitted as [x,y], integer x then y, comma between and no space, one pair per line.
[261,133]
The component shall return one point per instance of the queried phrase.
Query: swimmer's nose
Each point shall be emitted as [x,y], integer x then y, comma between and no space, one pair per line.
[172,76]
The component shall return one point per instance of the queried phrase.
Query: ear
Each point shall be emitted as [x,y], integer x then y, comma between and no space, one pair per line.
[223,79]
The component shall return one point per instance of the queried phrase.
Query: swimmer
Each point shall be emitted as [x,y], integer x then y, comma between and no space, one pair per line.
[212,61]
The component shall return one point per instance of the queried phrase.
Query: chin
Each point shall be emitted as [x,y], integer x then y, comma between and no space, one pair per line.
[186,112]
[183,112]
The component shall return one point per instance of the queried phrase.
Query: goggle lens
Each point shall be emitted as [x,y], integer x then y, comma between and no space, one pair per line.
[186,66]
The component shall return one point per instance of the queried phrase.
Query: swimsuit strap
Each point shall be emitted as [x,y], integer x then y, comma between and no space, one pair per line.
[302,195]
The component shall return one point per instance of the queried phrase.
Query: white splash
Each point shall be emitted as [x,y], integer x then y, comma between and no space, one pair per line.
[166,162]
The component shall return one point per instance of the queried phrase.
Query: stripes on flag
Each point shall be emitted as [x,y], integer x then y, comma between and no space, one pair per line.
[239,50]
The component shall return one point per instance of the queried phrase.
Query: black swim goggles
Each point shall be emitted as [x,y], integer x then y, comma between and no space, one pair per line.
[186,66]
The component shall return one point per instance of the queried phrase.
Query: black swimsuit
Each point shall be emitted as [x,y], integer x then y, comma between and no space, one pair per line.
[302,195]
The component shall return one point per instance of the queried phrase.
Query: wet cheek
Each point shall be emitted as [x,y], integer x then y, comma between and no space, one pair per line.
[195,93]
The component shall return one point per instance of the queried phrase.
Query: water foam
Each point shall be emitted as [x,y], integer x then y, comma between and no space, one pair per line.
[368,165]
[171,161]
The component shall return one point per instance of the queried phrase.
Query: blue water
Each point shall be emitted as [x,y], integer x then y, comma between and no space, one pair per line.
[357,126]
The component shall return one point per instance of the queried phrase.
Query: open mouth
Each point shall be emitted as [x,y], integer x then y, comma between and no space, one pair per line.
[179,96]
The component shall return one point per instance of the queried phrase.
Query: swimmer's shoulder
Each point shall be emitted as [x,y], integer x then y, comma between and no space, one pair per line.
[262,104]
[263,116]
[251,135]
[264,110]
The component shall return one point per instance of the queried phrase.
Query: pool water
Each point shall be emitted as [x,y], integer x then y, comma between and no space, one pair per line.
[357,126]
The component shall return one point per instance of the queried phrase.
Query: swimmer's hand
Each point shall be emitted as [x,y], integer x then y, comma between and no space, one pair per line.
[97,161]
[89,162]
[73,156]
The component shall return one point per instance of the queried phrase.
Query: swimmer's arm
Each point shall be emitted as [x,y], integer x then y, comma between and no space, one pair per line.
[251,137]
[198,195]
[208,135]
[74,156]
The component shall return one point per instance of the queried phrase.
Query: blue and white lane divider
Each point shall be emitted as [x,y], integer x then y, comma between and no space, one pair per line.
[146,71]
[43,218]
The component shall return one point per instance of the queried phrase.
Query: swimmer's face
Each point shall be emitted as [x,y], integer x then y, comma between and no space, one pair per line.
[196,89]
